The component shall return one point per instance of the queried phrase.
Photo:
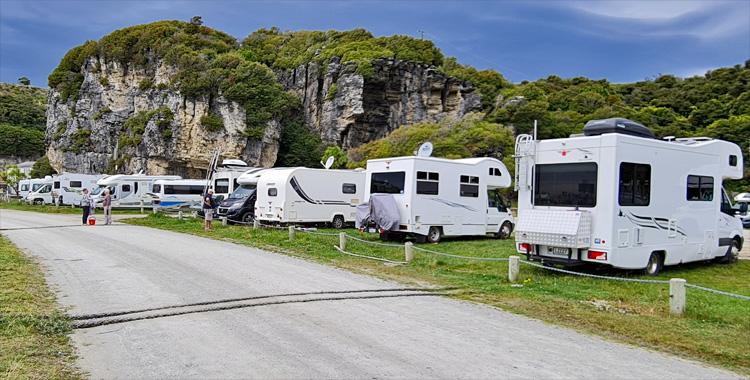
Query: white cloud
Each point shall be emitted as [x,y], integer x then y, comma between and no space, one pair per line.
[642,9]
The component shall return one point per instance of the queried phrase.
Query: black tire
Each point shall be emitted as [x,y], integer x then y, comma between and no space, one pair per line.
[248,217]
[733,252]
[338,222]
[504,231]
[60,201]
[38,201]
[434,235]
[655,264]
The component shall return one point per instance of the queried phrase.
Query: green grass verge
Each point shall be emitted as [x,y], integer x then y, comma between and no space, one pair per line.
[34,341]
[714,329]
[50,209]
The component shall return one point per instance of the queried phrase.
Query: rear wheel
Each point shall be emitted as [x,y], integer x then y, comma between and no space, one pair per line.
[434,235]
[655,264]
[504,231]
[732,253]
[338,222]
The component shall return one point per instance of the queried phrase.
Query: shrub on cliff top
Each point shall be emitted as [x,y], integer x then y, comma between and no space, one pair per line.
[22,106]
[20,141]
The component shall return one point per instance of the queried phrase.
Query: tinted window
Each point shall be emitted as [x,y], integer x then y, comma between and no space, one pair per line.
[125,188]
[700,188]
[428,183]
[36,186]
[272,191]
[235,185]
[57,184]
[156,188]
[732,160]
[349,188]
[73,184]
[243,191]
[183,189]
[635,184]
[469,186]
[221,185]
[566,185]
[388,183]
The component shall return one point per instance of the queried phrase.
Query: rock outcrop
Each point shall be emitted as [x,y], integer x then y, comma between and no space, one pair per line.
[90,134]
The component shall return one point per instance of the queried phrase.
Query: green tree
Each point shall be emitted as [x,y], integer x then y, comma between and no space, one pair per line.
[11,176]
[24,81]
[340,158]
[298,146]
[42,168]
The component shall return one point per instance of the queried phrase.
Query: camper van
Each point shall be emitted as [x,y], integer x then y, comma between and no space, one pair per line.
[620,197]
[742,209]
[305,195]
[240,205]
[65,188]
[177,192]
[128,190]
[438,197]
[26,186]
[224,179]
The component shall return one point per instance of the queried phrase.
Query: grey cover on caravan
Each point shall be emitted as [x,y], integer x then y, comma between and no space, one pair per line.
[616,125]
[381,209]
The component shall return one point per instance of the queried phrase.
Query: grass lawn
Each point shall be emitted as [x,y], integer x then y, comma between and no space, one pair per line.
[34,341]
[714,329]
[50,209]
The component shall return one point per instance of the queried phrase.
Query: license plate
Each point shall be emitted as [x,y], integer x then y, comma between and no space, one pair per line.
[558,251]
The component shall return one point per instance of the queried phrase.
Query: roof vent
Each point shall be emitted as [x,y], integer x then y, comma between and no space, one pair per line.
[616,125]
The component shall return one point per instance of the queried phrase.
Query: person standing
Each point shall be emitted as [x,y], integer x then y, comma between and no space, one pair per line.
[86,205]
[208,209]
[107,204]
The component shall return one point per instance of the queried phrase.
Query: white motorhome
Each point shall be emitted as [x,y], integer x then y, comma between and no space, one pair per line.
[620,197]
[439,197]
[26,186]
[224,179]
[177,192]
[305,195]
[65,188]
[128,190]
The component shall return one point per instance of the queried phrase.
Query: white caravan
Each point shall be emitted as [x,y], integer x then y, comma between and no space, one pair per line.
[177,192]
[305,195]
[620,197]
[439,197]
[128,190]
[65,188]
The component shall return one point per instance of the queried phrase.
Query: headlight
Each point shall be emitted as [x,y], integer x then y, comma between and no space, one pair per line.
[235,206]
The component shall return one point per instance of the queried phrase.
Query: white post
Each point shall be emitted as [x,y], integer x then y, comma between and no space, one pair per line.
[513,268]
[292,233]
[342,241]
[677,296]
[409,251]
[141,206]
[179,215]
[256,224]
[223,220]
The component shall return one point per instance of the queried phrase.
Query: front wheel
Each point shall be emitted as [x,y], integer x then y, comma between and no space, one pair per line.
[732,253]
[38,201]
[655,264]
[434,235]
[504,231]
[338,222]
[248,217]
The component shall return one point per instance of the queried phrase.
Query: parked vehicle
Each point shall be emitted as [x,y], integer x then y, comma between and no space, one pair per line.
[438,197]
[742,202]
[620,197]
[26,186]
[65,188]
[224,178]
[305,195]
[240,205]
[128,190]
[176,192]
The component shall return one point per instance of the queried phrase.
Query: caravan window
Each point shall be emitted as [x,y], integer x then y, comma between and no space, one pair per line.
[732,160]
[387,183]
[156,189]
[221,185]
[74,184]
[272,192]
[428,183]
[125,188]
[635,184]
[469,186]
[349,188]
[57,184]
[700,188]
[496,172]
[183,189]
[565,185]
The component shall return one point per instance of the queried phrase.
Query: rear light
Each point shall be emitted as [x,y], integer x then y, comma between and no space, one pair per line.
[525,247]
[597,255]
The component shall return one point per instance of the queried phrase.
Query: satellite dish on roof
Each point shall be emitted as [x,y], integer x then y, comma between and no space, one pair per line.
[329,162]
[425,150]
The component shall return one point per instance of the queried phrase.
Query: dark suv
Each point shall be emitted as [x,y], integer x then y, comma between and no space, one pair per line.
[240,205]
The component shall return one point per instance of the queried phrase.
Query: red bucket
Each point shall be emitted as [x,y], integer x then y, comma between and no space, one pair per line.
[92,221]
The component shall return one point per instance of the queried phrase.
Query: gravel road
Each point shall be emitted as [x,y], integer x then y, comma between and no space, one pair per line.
[113,268]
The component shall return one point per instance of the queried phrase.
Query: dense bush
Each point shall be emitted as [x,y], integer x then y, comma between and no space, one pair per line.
[298,146]
[212,123]
[41,168]
[20,141]
[22,106]
[68,75]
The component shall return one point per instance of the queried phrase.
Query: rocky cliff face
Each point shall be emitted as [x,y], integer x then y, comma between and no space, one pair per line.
[93,135]
[349,109]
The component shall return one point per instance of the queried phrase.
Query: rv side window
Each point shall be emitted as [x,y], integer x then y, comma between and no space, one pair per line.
[221,185]
[73,184]
[700,188]
[495,172]
[272,191]
[428,183]
[469,186]
[57,184]
[635,184]
[135,187]
[235,184]
[387,183]
[24,187]
[125,188]
[349,188]
[732,160]
[156,189]
[565,185]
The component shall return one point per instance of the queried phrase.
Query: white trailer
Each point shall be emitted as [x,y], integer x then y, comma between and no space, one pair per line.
[128,190]
[305,195]
[65,188]
[439,197]
[618,196]
[177,193]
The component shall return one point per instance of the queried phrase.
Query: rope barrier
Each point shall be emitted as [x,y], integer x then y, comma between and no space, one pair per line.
[716,291]
[460,256]
[594,275]
[370,257]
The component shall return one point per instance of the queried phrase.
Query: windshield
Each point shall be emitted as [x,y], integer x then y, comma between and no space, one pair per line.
[243,191]
[98,190]
[36,186]
[565,185]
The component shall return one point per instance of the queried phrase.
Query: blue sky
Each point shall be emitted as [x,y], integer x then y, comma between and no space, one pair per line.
[622,41]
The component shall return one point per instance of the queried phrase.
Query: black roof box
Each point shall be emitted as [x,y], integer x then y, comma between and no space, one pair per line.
[616,125]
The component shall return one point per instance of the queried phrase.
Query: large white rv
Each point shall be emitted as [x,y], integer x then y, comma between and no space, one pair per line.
[305,195]
[439,197]
[177,192]
[65,188]
[26,186]
[224,179]
[620,197]
[128,190]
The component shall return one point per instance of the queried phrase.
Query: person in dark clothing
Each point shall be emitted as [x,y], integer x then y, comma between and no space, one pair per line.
[208,209]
